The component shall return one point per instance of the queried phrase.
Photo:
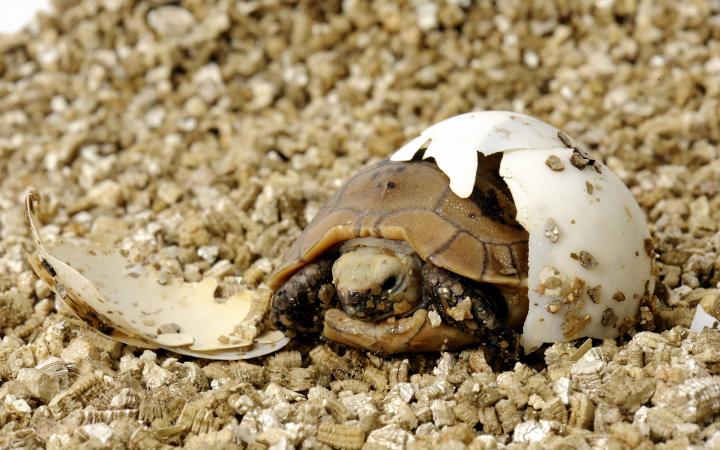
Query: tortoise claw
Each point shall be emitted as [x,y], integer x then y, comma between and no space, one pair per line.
[299,305]
[477,309]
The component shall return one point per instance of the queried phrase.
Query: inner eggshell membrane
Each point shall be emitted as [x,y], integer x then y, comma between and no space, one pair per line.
[590,253]
[127,302]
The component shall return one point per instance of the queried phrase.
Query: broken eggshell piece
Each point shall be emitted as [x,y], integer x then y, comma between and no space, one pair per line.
[590,253]
[126,302]
[706,313]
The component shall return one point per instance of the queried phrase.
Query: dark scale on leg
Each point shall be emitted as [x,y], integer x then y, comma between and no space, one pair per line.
[447,290]
[299,305]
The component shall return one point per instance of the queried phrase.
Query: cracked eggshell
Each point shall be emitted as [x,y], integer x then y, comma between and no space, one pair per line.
[590,252]
[454,142]
[126,302]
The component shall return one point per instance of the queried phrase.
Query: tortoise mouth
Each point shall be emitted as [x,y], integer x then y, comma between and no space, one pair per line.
[390,302]
[413,333]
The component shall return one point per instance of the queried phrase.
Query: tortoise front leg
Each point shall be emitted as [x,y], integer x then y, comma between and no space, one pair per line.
[299,305]
[474,308]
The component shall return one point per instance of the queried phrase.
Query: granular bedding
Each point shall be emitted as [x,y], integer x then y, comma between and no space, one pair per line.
[203,136]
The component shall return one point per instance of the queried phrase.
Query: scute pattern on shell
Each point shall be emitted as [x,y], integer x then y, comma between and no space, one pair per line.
[477,237]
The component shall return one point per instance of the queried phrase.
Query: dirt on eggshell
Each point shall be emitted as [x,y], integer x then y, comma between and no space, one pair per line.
[201,137]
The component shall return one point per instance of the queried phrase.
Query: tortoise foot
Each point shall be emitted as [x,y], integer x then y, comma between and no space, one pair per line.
[299,305]
[475,308]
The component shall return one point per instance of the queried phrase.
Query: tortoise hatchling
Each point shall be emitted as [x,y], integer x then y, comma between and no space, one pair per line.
[490,227]
[395,261]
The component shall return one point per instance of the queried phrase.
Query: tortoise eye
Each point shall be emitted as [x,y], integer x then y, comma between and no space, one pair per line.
[389,283]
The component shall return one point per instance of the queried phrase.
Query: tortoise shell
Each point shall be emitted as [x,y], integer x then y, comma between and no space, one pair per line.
[476,237]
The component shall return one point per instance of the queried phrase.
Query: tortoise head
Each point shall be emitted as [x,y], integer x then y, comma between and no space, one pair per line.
[377,278]
[380,292]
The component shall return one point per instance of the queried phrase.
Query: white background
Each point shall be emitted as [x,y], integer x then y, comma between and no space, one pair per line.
[15,14]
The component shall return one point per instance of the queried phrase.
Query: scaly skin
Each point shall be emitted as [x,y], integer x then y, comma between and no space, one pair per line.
[299,305]
[446,290]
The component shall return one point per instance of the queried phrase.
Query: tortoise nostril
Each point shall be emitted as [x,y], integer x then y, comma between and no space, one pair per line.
[389,283]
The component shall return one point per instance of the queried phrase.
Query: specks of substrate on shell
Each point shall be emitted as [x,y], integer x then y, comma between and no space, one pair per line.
[558,286]
[585,259]
[594,293]
[552,231]
[618,296]
[609,318]
[234,340]
[553,307]
[589,188]
[576,290]
[579,157]
[555,163]
[551,282]
[574,323]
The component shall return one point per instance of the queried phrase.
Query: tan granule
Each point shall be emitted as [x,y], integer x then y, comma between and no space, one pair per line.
[585,259]
[554,163]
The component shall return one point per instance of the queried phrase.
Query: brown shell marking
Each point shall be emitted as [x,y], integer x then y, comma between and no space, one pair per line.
[476,237]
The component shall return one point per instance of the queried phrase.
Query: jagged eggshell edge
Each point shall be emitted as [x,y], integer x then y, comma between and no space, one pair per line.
[454,142]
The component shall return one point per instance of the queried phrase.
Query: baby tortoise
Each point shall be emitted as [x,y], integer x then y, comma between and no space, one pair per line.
[395,250]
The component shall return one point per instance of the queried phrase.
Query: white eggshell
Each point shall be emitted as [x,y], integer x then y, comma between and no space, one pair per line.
[607,224]
[454,142]
[703,320]
[602,220]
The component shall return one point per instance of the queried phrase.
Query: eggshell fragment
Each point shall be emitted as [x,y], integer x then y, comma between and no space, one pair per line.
[590,253]
[126,302]
[706,313]
[703,320]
